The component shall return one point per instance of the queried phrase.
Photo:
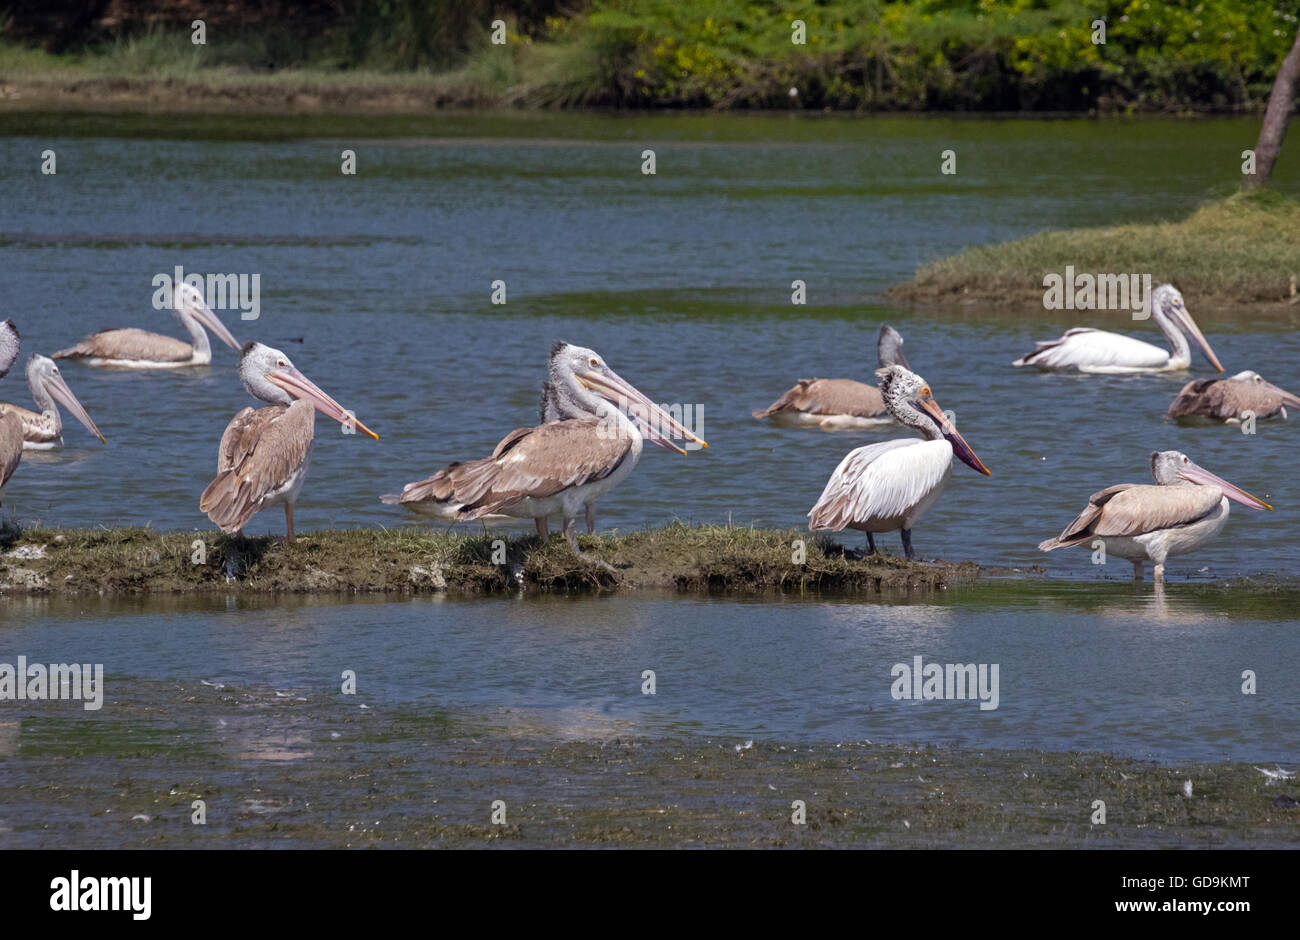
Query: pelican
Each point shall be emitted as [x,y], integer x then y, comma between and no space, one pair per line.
[890,485]
[264,453]
[1228,399]
[1185,509]
[838,404]
[561,466]
[1084,349]
[139,349]
[43,430]
[11,425]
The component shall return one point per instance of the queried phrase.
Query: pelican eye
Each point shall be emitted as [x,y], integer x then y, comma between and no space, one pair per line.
[595,363]
[282,363]
[925,391]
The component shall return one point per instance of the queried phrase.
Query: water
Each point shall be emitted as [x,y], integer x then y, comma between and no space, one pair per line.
[682,281]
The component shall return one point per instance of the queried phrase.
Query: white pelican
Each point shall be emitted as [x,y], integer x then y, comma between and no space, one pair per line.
[1185,509]
[264,453]
[1084,349]
[140,349]
[890,485]
[1228,399]
[838,404]
[11,426]
[43,430]
[562,466]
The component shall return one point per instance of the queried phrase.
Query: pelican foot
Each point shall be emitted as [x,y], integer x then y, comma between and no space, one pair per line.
[573,546]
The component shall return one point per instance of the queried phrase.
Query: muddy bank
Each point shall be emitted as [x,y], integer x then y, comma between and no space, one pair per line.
[418,561]
[312,769]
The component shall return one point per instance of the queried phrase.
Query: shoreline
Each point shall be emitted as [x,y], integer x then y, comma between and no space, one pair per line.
[405,561]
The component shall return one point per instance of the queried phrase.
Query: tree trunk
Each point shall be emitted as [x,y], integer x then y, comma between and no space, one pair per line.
[1276,116]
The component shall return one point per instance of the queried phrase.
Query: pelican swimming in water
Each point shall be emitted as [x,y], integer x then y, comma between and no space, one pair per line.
[265,452]
[43,429]
[890,485]
[1227,400]
[140,349]
[1185,509]
[11,425]
[559,467]
[838,404]
[1084,349]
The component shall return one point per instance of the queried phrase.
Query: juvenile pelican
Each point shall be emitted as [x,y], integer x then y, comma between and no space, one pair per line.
[43,430]
[1185,509]
[561,466]
[838,404]
[890,485]
[11,426]
[264,453]
[1084,349]
[140,349]
[1228,399]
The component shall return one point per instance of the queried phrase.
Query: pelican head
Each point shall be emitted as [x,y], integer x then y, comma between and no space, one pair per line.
[1169,310]
[889,348]
[1174,468]
[908,398]
[190,307]
[583,382]
[268,374]
[10,342]
[1254,378]
[48,387]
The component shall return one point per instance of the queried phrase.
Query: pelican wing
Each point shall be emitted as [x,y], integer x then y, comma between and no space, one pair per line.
[260,452]
[881,482]
[1085,348]
[529,463]
[131,345]
[1130,509]
[11,443]
[829,397]
[1222,399]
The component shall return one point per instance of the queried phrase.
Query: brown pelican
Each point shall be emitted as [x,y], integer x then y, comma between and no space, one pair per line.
[11,426]
[1228,399]
[890,485]
[1087,350]
[43,430]
[139,349]
[562,466]
[264,452]
[1185,509]
[838,404]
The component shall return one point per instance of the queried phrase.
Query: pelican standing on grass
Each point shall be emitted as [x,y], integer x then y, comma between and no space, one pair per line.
[1227,400]
[838,404]
[43,429]
[11,425]
[140,349]
[560,467]
[1185,509]
[1084,349]
[265,452]
[890,485]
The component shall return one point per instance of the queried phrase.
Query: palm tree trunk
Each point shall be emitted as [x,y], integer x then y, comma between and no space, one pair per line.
[1276,116]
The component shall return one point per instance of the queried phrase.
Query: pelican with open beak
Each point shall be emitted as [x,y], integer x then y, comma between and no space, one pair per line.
[140,349]
[1084,349]
[1138,522]
[1231,400]
[888,486]
[43,429]
[264,453]
[561,466]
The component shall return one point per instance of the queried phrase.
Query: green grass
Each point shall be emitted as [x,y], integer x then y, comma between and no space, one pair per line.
[1244,249]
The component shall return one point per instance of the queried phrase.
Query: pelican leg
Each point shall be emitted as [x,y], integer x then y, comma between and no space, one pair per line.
[1137,571]
[871,544]
[288,523]
[907,544]
[572,539]
[542,532]
[591,519]
[1159,574]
